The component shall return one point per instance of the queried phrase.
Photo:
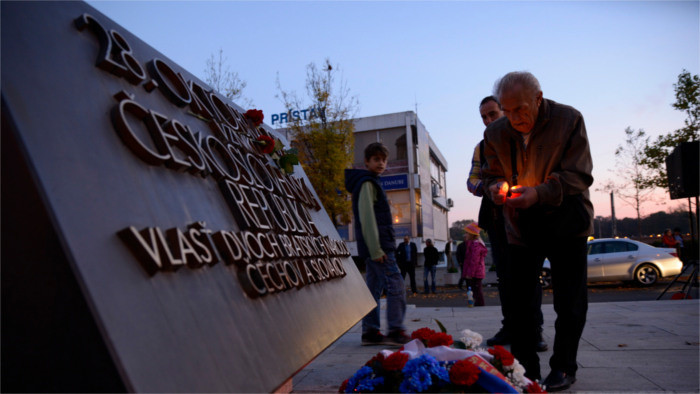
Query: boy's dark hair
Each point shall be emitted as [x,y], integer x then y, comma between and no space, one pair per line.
[376,149]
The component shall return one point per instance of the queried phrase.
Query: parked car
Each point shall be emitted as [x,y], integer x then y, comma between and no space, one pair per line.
[611,259]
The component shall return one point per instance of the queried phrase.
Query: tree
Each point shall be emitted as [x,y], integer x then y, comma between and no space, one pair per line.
[631,187]
[457,229]
[687,100]
[220,77]
[324,136]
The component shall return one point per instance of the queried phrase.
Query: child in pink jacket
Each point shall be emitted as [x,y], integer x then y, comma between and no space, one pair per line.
[473,265]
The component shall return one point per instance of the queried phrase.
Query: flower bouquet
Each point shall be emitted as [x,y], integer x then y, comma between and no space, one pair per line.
[285,159]
[434,362]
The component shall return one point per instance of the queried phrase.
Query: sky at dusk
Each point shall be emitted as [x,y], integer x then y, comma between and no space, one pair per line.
[616,62]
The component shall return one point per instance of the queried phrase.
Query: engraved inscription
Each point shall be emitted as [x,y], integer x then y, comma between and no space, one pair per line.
[277,246]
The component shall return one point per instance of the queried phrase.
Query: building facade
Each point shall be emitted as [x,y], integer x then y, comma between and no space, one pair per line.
[414,180]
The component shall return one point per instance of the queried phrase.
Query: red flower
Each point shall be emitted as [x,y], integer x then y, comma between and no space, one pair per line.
[440,339]
[255,115]
[502,355]
[423,334]
[534,388]
[343,386]
[395,362]
[267,143]
[379,358]
[464,373]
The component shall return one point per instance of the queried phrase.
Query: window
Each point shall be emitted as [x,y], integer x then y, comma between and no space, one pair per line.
[437,178]
[596,248]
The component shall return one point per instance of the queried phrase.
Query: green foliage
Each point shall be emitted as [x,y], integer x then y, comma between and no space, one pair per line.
[325,141]
[457,229]
[654,223]
[687,100]
[442,326]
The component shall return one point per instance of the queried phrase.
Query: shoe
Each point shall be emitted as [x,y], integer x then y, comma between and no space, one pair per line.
[373,338]
[397,338]
[501,338]
[542,346]
[558,381]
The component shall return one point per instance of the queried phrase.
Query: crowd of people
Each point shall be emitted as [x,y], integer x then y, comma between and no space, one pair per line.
[533,172]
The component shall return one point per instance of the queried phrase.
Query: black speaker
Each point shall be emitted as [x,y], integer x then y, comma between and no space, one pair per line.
[682,170]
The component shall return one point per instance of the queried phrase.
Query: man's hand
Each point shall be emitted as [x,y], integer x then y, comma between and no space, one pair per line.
[522,197]
[498,192]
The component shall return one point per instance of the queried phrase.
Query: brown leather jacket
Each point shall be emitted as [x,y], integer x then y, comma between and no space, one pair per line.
[557,160]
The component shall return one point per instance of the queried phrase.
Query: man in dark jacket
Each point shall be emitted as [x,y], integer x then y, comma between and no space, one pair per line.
[407,257]
[430,264]
[542,147]
[461,252]
[491,220]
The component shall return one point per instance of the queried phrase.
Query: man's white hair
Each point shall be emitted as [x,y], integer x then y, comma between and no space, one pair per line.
[514,78]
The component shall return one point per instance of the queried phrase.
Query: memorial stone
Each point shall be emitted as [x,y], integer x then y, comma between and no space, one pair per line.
[150,242]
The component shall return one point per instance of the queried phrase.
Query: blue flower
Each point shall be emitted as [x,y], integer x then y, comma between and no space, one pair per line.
[421,373]
[363,381]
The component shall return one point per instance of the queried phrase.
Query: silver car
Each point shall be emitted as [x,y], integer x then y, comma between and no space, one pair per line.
[611,259]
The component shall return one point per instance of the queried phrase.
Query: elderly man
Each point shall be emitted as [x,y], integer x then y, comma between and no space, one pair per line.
[538,166]
[491,219]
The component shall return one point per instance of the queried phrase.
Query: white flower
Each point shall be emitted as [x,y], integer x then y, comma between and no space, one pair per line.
[515,373]
[471,339]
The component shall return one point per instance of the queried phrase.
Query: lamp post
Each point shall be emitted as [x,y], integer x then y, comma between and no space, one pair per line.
[612,213]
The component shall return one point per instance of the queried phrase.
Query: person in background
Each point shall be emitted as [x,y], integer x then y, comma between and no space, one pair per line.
[432,256]
[679,242]
[474,257]
[491,220]
[668,239]
[376,244]
[541,149]
[407,256]
[448,252]
[461,252]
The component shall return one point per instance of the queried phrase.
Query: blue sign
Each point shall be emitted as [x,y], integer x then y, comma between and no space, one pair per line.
[394,182]
[294,114]
[402,230]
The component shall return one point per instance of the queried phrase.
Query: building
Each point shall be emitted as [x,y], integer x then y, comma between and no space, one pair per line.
[414,180]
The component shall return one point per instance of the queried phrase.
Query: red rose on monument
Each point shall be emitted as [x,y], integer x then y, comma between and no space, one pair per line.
[395,362]
[464,373]
[502,355]
[255,115]
[267,143]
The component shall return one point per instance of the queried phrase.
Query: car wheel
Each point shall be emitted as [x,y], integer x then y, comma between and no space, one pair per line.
[546,278]
[646,275]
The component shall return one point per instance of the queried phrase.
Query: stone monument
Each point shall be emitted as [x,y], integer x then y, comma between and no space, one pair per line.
[150,240]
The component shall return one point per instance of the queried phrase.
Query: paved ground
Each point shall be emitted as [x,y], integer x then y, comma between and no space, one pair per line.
[627,346]
[641,346]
